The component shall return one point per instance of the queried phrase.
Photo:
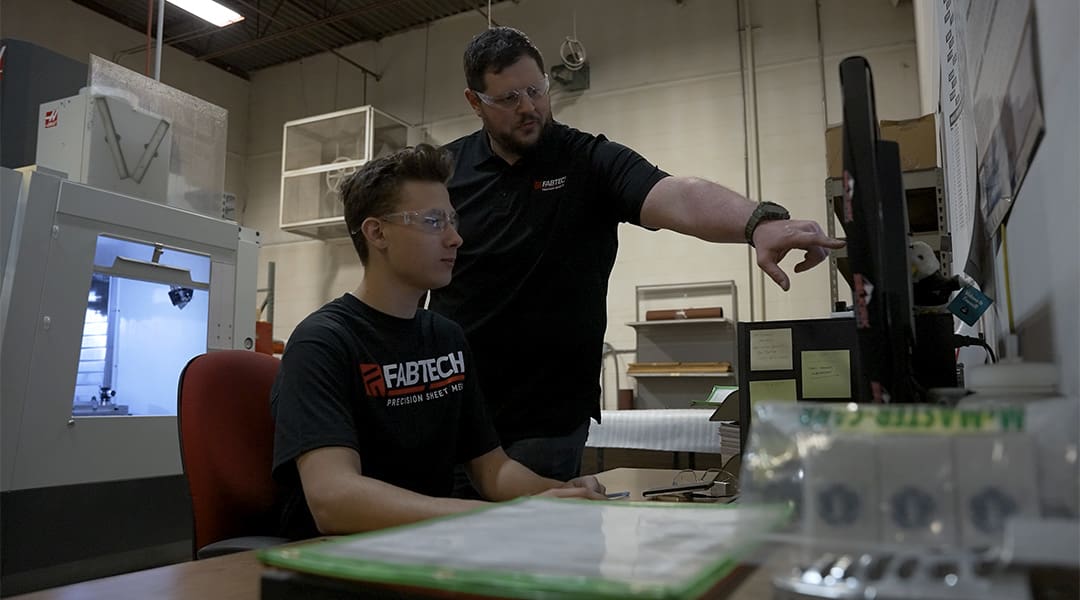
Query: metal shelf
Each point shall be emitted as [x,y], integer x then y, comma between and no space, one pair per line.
[918,186]
[686,290]
[676,374]
[712,340]
[678,322]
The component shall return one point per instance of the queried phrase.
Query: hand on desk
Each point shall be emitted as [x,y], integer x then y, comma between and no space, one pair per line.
[580,487]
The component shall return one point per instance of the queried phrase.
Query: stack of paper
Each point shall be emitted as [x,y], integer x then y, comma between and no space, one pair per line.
[729,440]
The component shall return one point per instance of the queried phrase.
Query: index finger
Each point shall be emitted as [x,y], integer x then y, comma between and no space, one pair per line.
[815,238]
[814,256]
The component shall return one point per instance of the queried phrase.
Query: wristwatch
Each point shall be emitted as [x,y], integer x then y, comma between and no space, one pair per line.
[765,211]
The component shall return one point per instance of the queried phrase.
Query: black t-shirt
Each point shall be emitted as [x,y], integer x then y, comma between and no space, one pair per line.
[403,393]
[530,282]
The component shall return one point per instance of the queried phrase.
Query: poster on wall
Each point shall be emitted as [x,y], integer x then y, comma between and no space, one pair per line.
[957,130]
[1012,139]
[993,120]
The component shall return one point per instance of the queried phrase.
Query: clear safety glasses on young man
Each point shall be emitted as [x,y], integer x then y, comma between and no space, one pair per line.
[435,220]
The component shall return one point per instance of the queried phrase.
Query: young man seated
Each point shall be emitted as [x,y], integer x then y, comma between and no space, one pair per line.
[377,400]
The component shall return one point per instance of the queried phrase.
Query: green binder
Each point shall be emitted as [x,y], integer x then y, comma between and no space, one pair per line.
[541,548]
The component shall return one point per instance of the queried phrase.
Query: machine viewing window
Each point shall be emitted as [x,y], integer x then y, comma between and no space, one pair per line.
[146,316]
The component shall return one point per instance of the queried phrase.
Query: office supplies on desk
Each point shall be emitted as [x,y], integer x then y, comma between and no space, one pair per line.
[538,546]
[717,396]
[897,575]
[687,485]
[684,488]
[940,490]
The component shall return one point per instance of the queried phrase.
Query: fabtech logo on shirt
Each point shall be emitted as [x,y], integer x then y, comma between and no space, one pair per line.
[415,381]
[550,185]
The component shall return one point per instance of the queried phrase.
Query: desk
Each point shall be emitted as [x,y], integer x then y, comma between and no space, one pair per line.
[231,577]
[236,576]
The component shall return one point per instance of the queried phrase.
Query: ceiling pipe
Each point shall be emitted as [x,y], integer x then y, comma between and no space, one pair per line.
[160,28]
[355,64]
[750,258]
[926,47]
[487,17]
[328,48]
[748,68]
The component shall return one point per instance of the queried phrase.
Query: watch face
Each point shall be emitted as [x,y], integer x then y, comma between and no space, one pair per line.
[773,211]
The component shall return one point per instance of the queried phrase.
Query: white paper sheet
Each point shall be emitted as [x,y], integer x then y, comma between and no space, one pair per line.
[673,430]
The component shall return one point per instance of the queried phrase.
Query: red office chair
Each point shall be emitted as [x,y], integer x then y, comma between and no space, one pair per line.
[226,447]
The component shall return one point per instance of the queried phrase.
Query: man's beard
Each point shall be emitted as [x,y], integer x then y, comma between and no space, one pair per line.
[517,146]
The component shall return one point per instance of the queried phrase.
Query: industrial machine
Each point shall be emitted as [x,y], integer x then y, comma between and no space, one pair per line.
[103,140]
[91,310]
[111,284]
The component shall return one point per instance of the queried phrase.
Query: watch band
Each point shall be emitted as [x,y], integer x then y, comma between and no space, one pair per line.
[765,211]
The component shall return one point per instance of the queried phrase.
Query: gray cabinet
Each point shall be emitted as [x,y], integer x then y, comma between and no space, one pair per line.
[678,359]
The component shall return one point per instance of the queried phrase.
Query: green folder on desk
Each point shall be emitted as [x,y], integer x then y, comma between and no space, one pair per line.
[717,397]
[541,547]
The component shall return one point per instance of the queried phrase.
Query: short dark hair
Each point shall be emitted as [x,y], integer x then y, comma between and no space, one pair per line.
[494,50]
[374,190]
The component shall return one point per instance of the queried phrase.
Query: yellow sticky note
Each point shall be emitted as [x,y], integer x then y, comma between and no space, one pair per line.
[826,374]
[772,391]
[770,350]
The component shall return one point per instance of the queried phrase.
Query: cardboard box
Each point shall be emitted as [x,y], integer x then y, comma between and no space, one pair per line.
[917,139]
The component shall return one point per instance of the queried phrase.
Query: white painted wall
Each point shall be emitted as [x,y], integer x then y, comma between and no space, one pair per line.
[665,80]
[77,32]
[1044,248]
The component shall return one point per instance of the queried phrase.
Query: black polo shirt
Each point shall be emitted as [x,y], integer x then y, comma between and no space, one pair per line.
[530,283]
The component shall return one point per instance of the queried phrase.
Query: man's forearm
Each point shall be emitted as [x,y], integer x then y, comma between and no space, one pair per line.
[712,212]
[697,207]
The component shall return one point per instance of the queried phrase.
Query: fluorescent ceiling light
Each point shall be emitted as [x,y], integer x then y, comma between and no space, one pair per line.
[208,10]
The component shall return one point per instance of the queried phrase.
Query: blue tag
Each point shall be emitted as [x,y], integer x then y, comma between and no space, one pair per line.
[969,305]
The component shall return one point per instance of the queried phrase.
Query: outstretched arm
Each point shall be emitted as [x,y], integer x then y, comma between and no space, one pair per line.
[714,213]
[342,500]
[498,477]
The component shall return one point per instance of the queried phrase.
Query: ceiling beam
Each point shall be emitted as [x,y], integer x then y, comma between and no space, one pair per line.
[297,30]
[169,41]
[351,33]
[318,43]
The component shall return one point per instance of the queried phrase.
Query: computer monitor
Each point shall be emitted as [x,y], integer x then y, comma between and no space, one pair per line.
[875,352]
[875,221]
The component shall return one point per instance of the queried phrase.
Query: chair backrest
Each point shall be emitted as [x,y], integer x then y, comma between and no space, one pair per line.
[226,443]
